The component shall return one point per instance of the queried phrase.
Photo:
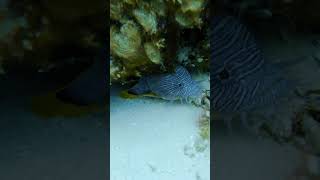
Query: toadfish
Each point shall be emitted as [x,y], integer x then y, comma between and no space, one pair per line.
[170,86]
[241,78]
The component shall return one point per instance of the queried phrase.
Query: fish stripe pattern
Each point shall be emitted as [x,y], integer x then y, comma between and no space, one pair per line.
[240,77]
[171,86]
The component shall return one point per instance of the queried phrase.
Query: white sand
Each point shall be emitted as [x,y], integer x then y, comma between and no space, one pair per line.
[153,140]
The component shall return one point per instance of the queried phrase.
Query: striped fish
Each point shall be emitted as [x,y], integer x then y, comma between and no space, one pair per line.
[241,79]
[171,86]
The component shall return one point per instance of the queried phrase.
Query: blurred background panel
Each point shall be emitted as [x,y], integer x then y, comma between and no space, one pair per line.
[53,90]
[274,133]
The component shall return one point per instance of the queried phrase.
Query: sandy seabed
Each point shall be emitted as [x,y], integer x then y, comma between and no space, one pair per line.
[153,139]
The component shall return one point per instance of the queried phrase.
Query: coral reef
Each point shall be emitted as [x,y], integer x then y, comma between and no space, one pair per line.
[145,36]
[189,12]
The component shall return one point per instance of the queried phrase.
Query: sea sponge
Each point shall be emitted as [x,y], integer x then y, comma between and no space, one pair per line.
[115,70]
[116,10]
[126,43]
[147,19]
[189,13]
[159,7]
[192,5]
[131,2]
[153,52]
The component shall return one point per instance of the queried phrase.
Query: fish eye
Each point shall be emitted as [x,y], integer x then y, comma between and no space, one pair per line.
[224,74]
[180,85]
